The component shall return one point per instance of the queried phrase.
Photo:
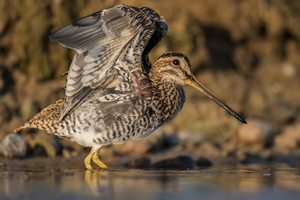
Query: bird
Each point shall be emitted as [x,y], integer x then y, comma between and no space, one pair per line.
[113,92]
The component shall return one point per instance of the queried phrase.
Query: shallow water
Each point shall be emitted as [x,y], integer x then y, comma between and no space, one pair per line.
[250,182]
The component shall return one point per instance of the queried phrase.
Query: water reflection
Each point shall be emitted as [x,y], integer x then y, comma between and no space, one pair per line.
[256,182]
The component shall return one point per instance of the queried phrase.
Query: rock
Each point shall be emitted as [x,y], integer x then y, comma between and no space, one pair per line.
[209,150]
[188,137]
[6,113]
[267,155]
[289,139]
[164,142]
[204,162]
[139,163]
[289,70]
[250,159]
[256,133]
[182,162]
[6,81]
[246,157]
[13,146]
[43,144]
[38,151]
[139,147]
[69,151]
[169,140]
[149,144]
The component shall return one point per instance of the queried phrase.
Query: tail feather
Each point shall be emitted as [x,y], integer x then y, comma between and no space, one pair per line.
[47,119]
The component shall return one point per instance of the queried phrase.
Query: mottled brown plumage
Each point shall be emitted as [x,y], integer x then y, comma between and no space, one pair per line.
[46,120]
[113,94]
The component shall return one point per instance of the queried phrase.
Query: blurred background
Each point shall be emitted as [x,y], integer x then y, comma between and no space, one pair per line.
[247,52]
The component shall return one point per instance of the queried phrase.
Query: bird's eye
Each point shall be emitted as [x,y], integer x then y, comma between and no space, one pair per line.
[175,62]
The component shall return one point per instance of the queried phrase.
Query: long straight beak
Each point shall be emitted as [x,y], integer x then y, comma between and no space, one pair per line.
[197,85]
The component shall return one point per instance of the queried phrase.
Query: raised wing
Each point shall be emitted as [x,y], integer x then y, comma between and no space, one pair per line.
[102,39]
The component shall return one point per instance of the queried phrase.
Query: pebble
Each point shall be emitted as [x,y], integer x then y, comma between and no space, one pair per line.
[6,80]
[203,162]
[139,163]
[209,150]
[134,148]
[182,162]
[246,157]
[256,133]
[289,139]
[6,114]
[188,137]
[289,70]
[250,159]
[43,144]
[13,146]
[165,142]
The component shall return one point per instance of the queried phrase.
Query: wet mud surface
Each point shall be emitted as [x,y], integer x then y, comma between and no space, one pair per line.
[66,179]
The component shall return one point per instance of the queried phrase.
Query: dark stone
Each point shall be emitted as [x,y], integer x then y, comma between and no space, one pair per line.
[6,80]
[39,151]
[165,142]
[178,163]
[251,159]
[6,113]
[139,163]
[204,162]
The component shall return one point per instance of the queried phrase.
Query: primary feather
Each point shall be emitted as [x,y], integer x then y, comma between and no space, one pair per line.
[117,35]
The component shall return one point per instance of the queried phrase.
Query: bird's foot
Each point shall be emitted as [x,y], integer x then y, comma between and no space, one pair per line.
[93,156]
[98,162]
[88,161]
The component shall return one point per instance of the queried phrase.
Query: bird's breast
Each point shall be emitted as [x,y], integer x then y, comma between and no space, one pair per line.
[170,102]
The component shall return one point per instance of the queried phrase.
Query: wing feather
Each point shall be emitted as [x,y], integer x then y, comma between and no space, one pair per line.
[102,39]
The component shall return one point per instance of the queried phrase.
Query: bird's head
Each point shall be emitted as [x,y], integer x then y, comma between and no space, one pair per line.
[176,68]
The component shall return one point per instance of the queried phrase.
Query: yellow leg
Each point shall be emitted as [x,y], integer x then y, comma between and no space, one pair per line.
[97,161]
[88,161]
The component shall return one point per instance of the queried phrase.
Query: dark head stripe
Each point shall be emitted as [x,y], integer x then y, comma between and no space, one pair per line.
[171,54]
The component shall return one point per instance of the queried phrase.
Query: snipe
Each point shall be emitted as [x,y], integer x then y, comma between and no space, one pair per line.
[113,93]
